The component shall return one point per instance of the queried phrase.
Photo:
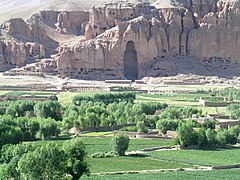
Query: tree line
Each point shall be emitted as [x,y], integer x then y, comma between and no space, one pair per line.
[48,161]
[106,98]
[206,137]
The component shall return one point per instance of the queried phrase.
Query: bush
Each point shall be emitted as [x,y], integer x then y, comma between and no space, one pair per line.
[141,127]
[98,155]
[211,137]
[186,135]
[120,143]
[103,155]
[129,128]
[163,125]
[202,138]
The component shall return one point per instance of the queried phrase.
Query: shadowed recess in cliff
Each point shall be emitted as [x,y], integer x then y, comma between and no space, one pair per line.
[130,62]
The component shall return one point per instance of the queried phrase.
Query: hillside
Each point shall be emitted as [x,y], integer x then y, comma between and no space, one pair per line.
[120,39]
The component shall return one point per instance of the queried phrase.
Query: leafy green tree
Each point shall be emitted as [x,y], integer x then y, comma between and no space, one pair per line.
[46,162]
[202,138]
[163,125]
[223,137]
[211,137]
[29,127]
[48,109]
[76,158]
[120,143]
[4,171]
[10,155]
[141,127]
[171,113]
[48,128]
[209,124]
[19,108]
[186,135]
[10,134]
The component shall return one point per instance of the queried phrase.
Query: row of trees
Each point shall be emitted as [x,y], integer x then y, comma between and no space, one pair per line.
[187,136]
[49,161]
[45,109]
[15,130]
[231,93]
[95,114]
[106,98]
[234,110]
[171,116]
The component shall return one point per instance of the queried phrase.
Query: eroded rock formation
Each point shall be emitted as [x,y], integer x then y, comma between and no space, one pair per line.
[114,39]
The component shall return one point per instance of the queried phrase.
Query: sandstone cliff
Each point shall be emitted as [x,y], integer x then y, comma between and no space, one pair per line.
[126,39]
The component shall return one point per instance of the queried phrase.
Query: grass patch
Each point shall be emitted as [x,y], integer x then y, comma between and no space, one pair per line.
[201,157]
[189,175]
[127,163]
[31,93]
[67,97]
[94,134]
[95,144]
[181,100]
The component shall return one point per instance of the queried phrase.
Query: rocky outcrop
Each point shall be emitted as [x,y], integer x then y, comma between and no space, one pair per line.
[114,39]
[166,29]
[16,26]
[66,22]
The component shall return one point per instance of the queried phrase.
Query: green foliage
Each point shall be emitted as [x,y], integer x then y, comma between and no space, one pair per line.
[120,143]
[211,137]
[47,162]
[172,112]
[163,125]
[48,128]
[48,109]
[76,158]
[29,127]
[95,114]
[11,154]
[98,155]
[202,138]
[10,134]
[141,127]
[129,128]
[234,110]
[186,135]
[231,93]
[209,124]
[19,108]
[106,98]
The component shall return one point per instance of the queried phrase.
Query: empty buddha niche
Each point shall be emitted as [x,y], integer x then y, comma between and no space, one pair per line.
[130,62]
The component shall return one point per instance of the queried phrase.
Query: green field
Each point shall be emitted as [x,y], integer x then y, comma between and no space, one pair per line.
[3,92]
[96,144]
[67,97]
[231,174]
[182,100]
[127,163]
[33,93]
[201,157]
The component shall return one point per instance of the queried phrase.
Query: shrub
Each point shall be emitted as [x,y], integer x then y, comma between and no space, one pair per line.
[141,127]
[163,125]
[186,135]
[98,155]
[120,143]
[129,128]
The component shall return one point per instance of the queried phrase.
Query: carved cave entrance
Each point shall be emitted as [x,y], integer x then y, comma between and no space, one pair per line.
[130,62]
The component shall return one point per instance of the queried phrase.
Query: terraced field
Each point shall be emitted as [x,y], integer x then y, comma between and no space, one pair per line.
[230,174]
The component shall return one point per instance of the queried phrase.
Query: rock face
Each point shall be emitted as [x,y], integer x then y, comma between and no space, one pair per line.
[126,40]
